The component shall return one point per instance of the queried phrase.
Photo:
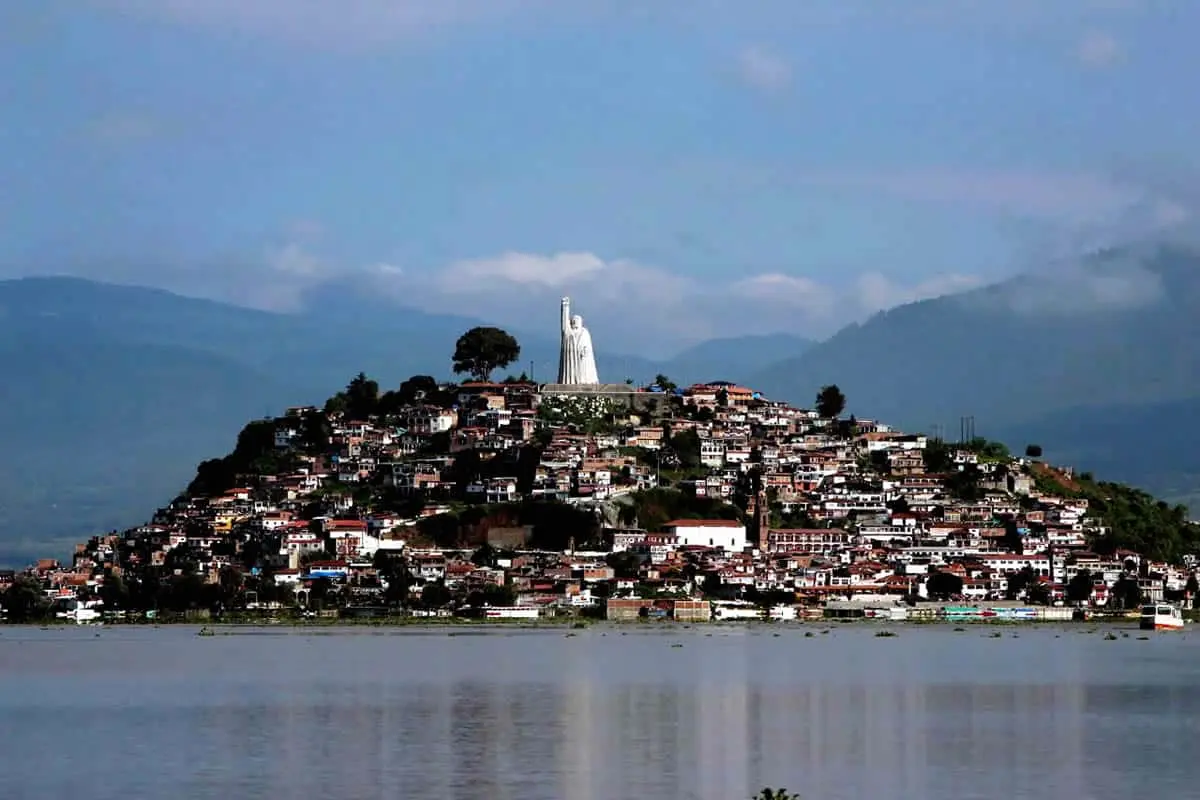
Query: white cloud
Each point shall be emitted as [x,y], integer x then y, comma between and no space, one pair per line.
[765,70]
[797,294]
[1097,49]
[1082,286]
[877,292]
[523,269]
[636,307]
[293,260]
[387,270]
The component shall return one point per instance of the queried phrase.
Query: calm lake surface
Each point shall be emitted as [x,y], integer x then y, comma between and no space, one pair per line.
[605,714]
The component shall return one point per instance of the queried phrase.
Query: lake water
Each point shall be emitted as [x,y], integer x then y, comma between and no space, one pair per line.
[608,713]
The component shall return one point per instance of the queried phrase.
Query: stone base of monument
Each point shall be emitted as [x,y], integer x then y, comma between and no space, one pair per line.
[623,393]
[586,389]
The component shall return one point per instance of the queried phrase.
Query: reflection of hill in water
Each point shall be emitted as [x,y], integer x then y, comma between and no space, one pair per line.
[929,714]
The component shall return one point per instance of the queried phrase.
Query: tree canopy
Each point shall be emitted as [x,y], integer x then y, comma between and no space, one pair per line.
[686,447]
[830,401]
[482,350]
[417,387]
[1127,593]
[664,383]
[656,507]
[1080,587]
[254,453]
[24,600]
[944,585]
[1135,520]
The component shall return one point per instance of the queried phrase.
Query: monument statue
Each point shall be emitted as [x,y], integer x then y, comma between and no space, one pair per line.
[576,359]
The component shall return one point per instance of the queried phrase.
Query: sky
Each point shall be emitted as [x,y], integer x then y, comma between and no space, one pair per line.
[683,170]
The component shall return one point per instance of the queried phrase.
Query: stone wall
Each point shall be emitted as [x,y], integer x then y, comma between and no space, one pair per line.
[653,402]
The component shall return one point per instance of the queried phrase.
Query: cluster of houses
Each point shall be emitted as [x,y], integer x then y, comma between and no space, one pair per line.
[829,512]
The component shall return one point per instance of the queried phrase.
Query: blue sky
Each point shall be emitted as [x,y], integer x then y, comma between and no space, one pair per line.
[682,169]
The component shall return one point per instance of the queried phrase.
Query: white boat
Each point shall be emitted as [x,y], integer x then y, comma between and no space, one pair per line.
[735,609]
[80,615]
[510,612]
[1161,617]
[782,612]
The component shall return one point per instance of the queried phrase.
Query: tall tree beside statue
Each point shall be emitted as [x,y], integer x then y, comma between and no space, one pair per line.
[482,350]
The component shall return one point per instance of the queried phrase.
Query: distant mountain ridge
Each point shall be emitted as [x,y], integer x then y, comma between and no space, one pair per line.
[113,393]
[1028,355]
[740,357]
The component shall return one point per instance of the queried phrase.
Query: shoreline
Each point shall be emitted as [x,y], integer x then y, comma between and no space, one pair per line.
[576,625]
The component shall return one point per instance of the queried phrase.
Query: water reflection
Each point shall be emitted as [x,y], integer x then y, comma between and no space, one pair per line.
[590,718]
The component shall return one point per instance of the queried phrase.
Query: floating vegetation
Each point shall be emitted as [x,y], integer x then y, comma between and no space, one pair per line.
[884,635]
[960,630]
[1110,637]
[677,644]
[775,794]
[996,635]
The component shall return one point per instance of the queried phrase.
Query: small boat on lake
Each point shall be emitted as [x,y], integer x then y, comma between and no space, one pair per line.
[80,614]
[1161,617]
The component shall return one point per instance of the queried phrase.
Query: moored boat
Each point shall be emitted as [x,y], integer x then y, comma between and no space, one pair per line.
[1161,617]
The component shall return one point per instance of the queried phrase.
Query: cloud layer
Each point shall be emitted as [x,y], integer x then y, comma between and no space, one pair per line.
[763,69]
[634,307]
[1097,49]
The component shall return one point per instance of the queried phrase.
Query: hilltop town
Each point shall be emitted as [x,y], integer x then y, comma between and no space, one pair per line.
[515,499]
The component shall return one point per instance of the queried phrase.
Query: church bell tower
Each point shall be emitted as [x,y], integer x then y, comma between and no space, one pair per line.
[760,513]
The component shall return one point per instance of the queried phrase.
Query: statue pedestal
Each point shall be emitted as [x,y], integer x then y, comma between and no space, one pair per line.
[586,389]
[622,393]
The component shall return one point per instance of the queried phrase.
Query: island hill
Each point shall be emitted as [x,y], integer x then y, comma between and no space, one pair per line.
[436,498]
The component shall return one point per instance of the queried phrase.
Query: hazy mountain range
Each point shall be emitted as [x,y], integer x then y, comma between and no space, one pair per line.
[1094,361]
[112,394]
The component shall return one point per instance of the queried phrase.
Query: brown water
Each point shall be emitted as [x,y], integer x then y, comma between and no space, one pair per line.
[606,714]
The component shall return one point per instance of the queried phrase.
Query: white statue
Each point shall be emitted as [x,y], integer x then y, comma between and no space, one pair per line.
[576,359]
